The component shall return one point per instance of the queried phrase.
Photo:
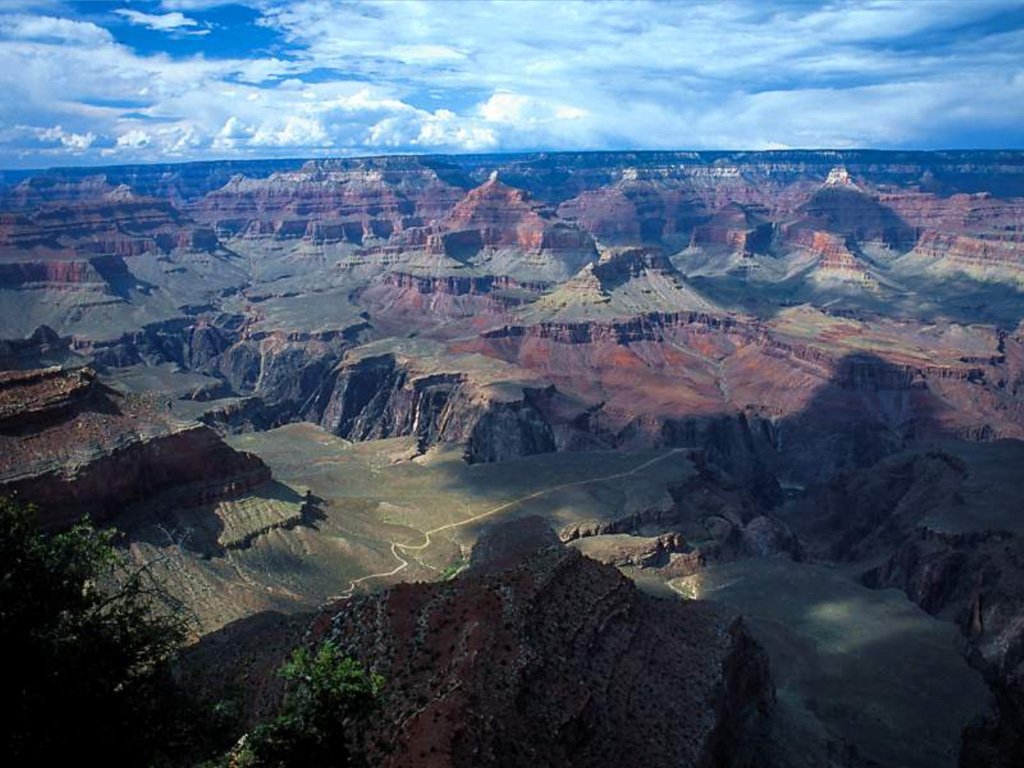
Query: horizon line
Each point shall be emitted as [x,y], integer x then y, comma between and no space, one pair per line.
[511,153]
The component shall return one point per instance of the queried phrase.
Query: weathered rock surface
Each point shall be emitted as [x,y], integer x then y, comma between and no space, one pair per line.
[552,661]
[817,318]
[75,448]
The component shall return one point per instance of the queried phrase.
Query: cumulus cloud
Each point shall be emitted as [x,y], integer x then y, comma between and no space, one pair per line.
[415,76]
[52,28]
[134,139]
[517,109]
[72,141]
[293,131]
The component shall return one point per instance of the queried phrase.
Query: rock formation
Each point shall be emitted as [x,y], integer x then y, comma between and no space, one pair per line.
[555,659]
[834,340]
[75,448]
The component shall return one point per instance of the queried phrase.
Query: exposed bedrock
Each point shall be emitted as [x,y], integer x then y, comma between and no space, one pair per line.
[556,659]
[846,210]
[282,369]
[707,518]
[75,448]
[757,403]
[329,201]
[975,579]
[742,229]
[192,465]
[850,412]
[378,397]
[745,393]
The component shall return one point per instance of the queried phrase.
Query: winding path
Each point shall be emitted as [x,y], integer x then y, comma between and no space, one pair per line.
[403,563]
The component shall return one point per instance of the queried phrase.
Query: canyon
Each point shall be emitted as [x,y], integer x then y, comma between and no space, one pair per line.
[528,434]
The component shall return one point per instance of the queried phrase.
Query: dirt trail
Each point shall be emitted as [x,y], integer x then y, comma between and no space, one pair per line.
[403,563]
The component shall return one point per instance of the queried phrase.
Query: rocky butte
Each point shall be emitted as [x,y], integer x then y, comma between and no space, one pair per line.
[689,458]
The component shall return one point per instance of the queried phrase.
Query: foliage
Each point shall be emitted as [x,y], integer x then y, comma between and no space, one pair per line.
[88,642]
[322,719]
[454,570]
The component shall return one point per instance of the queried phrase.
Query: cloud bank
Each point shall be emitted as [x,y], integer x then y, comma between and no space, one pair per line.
[196,79]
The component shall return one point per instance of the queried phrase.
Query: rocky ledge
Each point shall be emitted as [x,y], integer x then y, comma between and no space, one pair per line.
[555,660]
[75,447]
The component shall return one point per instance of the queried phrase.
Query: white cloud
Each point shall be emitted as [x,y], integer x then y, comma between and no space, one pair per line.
[181,139]
[517,109]
[163,22]
[294,131]
[195,5]
[51,28]
[415,76]
[72,141]
[134,139]
[425,54]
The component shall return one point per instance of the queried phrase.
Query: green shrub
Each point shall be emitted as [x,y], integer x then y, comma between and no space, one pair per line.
[322,720]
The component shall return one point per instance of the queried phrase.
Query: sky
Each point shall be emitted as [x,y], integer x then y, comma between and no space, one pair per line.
[88,83]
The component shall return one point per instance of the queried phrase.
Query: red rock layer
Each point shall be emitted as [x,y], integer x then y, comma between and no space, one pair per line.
[323,204]
[73,448]
[555,661]
[100,227]
[495,215]
[735,228]
[833,253]
[969,251]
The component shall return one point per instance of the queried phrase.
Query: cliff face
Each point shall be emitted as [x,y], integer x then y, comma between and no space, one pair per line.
[554,660]
[736,228]
[75,448]
[121,225]
[846,210]
[793,318]
[326,202]
[378,397]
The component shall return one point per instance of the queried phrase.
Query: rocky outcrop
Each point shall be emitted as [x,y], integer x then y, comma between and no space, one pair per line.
[41,349]
[635,551]
[379,397]
[834,256]
[846,210]
[330,201]
[709,518]
[556,658]
[500,229]
[502,216]
[123,227]
[75,448]
[185,468]
[635,210]
[989,258]
[736,228]
[38,397]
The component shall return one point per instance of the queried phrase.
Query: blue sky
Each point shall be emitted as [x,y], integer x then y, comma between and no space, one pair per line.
[172,80]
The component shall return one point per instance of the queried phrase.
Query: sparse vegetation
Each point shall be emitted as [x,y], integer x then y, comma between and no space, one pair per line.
[322,720]
[454,569]
[93,640]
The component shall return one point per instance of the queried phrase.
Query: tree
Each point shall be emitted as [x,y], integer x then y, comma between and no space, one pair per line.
[322,720]
[88,642]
